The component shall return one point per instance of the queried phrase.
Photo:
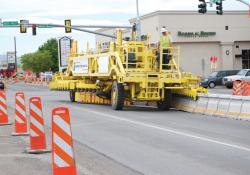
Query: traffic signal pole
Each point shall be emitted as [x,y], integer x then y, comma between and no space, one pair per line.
[15,54]
[84,30]
[76,27]
[244,2]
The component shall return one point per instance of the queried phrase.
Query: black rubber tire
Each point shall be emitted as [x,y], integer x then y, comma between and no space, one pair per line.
[105,95]
[229,87]
[211,85]
[165,105]
[72,96]
[118,90]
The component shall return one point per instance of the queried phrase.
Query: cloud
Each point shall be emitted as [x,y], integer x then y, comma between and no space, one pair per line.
[94,12]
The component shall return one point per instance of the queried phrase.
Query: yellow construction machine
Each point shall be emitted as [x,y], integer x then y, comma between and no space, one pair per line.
[126,72]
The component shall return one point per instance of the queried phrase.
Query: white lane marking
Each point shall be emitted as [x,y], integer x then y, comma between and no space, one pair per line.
[62,124]
[36,109]
[60,162]
[63,145]
[169,130]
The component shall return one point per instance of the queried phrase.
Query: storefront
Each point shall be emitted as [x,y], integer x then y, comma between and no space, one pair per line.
[200,37]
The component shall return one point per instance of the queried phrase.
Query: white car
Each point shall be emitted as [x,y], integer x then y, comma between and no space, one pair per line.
[244,74]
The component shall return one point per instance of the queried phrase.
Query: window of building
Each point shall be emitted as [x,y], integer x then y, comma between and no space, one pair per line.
[245,59]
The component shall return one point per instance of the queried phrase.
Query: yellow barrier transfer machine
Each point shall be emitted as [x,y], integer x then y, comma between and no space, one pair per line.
[126,72]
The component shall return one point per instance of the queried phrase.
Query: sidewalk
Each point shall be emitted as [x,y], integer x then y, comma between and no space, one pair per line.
[13,160]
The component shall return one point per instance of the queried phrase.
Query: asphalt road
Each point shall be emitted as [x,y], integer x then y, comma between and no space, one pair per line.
[147,141]
[220,90]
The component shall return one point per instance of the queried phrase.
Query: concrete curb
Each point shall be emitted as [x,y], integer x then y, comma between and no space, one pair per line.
[230,106]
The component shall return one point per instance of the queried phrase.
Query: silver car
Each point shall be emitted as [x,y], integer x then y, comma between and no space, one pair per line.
[244,74]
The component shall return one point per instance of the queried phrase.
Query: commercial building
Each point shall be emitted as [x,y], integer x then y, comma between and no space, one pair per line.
[200,37]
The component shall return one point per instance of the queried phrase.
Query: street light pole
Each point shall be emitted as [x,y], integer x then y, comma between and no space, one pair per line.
[138,22]
[15,54]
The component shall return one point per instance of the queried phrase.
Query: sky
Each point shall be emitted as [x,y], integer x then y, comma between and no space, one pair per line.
[85,12]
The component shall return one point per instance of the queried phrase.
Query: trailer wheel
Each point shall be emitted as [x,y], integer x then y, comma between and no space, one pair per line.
[117,96]
[166,103]
[72,96]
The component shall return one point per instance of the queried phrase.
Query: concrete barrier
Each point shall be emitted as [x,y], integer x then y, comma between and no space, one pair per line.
[223,105]
[212,104]
[235,106]
[201,105]
[245,109]
[184,104]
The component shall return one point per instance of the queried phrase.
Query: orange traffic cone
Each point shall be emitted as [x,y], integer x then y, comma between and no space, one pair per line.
[37,131]
[20,128]
[237,88]
[246,88]
[63,159]
[4,120]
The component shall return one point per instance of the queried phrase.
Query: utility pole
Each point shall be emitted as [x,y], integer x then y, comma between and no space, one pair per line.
[15,54]
[244,2]
[138,22]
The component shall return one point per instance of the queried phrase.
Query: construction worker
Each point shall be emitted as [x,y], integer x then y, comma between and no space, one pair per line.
[164,46]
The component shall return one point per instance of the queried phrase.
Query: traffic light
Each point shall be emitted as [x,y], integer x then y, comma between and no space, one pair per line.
[68,25]
[219,7]
[34,29]
[202,7]
[23,26]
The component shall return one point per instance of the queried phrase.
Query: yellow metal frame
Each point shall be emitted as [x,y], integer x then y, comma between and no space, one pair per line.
[134,64]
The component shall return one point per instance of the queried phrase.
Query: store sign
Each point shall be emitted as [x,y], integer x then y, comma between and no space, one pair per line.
[64,51]
[80,65]
[3,65]
[11,57]
[196,34]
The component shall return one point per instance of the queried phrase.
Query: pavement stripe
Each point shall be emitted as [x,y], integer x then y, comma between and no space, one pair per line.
[169,130]
[62,124]
[60,162]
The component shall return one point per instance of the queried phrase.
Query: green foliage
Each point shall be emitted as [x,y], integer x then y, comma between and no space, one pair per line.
[45,59]
[52,46]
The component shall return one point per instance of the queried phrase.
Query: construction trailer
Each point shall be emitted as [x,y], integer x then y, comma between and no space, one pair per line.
[126,72]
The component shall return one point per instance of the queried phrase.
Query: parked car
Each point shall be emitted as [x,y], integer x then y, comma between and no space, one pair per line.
[244,74]
[2,85]
[216,78]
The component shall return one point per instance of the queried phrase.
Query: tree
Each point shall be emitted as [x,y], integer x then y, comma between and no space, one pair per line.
[45,59]
[52,46]
[37,62]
